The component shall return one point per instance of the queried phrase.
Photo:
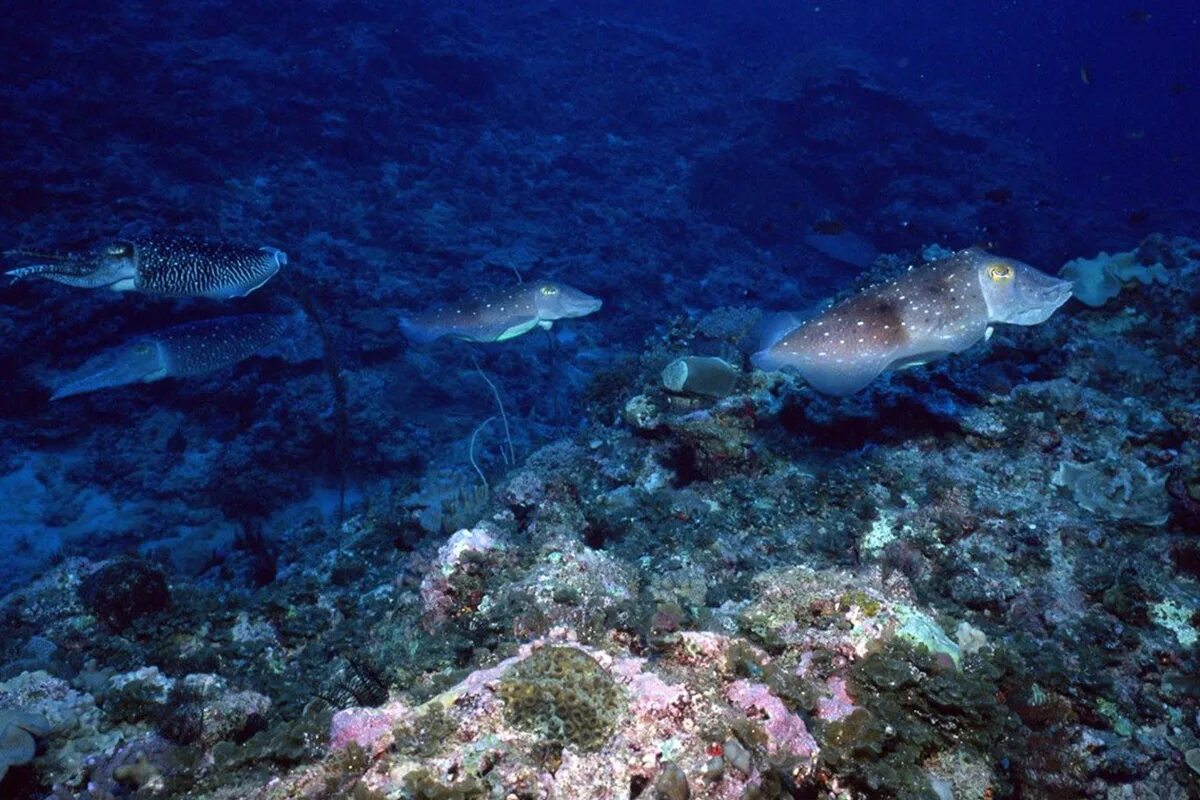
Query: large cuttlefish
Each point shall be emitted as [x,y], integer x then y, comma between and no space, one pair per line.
[159,266]
[180,351]
[502,314]
[930,311]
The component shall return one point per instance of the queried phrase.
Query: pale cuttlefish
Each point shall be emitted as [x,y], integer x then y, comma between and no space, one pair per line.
[159,266]
[502,314]
[180,351]
[930,311]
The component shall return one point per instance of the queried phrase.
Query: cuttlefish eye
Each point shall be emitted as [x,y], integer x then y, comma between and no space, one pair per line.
[118,249]
[549,291]
[1000,273]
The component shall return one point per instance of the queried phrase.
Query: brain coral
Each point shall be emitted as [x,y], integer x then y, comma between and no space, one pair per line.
[564,694]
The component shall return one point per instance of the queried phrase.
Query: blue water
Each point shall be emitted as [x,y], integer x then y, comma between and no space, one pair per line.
[670,158]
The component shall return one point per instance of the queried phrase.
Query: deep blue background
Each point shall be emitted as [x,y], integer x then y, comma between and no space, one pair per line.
[1124,142]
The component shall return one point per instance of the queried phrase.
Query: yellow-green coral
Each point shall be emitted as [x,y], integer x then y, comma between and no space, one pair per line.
[1177,619]
[869,605]
[883,531]
[563,694]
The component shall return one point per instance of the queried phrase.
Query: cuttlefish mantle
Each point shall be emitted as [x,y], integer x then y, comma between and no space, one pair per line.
[930,311]
[502,314]
[170,267]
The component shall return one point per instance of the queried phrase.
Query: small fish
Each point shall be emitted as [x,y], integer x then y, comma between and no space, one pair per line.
[1138,218]
[193,348]
[1085,74]
[160,266]
[930,311]
[1139,15]
[501,315]
[1178,89]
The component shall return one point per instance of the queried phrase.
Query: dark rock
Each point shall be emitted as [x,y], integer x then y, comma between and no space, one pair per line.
[123,590]
[671,783]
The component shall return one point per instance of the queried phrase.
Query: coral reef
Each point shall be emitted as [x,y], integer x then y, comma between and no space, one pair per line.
[670,575]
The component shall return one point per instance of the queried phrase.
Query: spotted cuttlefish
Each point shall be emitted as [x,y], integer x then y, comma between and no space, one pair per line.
[930,311]
[502,314]
[180,351]
[159,266]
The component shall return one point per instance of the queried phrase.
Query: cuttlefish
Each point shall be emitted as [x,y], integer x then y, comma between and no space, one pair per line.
[171,267]
[502,314]
[930,311]
[192,348]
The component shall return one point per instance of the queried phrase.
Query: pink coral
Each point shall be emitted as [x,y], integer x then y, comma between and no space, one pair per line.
[702,648]
[369,728]
[437,594]
[786,732]
[838,704]
[651,695]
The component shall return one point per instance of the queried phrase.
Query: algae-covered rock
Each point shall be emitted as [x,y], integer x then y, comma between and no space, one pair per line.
[917,721]
[123,590]
[1117,489]
[17,731]
[77,724]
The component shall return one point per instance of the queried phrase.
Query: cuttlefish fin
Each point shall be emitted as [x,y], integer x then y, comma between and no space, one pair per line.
[825,375]
[773,327]
[510,332]
[418,332]
[842,379]
[918,359]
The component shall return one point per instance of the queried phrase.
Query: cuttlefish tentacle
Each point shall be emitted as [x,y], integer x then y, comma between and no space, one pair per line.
[930,311]
[193,348]
[68,268]
[501,315]
[160,266]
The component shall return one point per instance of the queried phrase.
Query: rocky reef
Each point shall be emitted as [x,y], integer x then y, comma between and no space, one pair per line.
[908,593]
[611,561]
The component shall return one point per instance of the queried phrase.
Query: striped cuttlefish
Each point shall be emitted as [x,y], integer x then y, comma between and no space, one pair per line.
[169,267]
